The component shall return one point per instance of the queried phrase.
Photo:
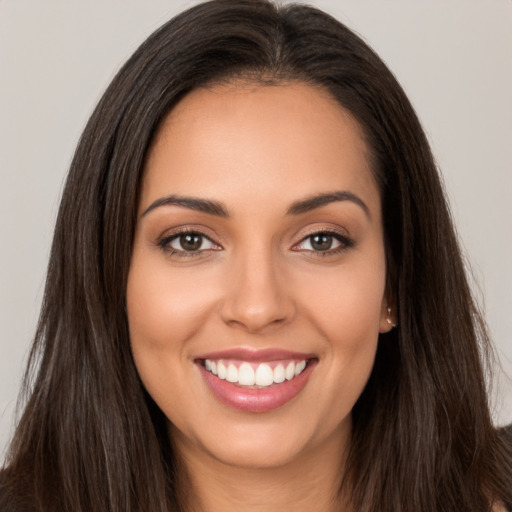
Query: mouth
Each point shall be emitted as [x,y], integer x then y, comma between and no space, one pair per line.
[255,375]
[256,381]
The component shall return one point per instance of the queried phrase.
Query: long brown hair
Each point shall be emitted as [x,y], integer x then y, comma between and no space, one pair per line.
[90,437]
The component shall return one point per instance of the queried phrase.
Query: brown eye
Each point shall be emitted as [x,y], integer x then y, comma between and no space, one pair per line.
[324,242]
[321,242]
[190,241]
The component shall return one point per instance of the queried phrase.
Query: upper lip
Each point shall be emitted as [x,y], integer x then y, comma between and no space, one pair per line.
[260,355]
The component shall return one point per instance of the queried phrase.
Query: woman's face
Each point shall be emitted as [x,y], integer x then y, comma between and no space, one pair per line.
[256,290]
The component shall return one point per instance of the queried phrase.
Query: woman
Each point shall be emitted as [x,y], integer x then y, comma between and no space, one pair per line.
[251,301]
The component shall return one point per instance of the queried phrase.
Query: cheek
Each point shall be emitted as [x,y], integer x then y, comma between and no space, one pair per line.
[164,307]
[165,310]
[347,303]
[351,324]
[347,317]
[346,309]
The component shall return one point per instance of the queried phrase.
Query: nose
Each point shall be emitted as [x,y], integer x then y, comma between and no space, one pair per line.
[257,297]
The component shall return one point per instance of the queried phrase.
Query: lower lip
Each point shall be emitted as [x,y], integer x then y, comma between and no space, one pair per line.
[256,400]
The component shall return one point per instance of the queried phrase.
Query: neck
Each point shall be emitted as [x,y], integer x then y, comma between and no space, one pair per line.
[311,482]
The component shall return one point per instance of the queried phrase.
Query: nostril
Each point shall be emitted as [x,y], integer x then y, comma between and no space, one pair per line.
[255,324]
[256,300]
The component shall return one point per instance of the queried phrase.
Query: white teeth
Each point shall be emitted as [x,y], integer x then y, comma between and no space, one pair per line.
[300,367]
[279,374]
[264,375]
[246,375]
[232,373]
[290,371]
[221,370]
[253,374]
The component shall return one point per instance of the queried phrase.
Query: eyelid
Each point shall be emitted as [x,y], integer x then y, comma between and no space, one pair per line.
[343,238]
[185,229]
[163,242]
[339,234]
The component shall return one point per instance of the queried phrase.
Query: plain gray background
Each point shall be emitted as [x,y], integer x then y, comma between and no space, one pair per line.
[453,57]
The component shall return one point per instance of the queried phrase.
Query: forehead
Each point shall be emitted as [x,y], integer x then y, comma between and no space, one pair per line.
[250,139]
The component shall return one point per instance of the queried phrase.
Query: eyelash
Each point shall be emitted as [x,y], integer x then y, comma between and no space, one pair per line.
[344,241]
[164,244]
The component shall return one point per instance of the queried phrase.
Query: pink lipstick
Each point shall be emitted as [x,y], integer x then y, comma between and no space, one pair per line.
[256,381]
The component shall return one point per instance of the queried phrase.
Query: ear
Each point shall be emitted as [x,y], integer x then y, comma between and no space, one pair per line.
[388,313]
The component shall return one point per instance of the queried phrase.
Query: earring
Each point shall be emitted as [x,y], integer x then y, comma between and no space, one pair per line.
[388,319]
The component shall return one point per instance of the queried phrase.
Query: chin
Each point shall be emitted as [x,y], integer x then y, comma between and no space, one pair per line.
[258,454]
[266,442]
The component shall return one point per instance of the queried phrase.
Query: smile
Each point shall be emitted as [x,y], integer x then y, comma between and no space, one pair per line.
[262,375]
[256,381]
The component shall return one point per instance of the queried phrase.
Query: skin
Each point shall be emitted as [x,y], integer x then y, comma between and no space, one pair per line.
[256,282]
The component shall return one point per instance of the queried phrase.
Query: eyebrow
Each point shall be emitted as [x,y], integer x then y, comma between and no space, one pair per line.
[193,203]
[316,201]
[297,208]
